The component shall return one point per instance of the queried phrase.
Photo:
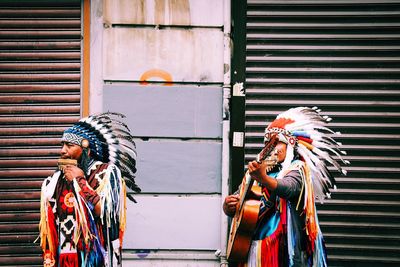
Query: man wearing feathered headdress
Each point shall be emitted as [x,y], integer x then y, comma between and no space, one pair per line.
[287,232]
[83,204]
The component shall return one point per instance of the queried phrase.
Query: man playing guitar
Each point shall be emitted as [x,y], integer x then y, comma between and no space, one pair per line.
[287,232]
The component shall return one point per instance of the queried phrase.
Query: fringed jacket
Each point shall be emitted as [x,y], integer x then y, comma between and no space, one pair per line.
[71,234]
[288,232]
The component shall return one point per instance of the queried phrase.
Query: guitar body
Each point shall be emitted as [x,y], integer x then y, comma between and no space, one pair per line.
[245,220]
[242,230]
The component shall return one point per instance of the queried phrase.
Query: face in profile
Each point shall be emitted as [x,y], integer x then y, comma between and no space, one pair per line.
[280,151]
[71,151]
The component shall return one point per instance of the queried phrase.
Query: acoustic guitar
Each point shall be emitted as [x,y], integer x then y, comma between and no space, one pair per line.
[246,215]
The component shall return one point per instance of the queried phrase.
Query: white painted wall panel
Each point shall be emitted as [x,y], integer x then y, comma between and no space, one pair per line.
[165,12]
[171,263]
[177,55]
[174,222]
[171,166]
[170,258]
[168,111]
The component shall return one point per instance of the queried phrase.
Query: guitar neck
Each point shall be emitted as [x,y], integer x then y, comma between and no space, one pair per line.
[248,181]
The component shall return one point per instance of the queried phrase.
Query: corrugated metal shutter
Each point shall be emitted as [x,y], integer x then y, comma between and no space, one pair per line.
[344,57]
[40,43]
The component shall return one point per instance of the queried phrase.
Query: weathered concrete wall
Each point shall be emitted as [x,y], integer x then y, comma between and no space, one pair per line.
[163,66]
[160,12]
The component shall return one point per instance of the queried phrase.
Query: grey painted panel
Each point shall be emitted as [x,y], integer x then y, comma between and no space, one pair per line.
[173,222]
[152,12]
[167,111]
[172,55]
[166,166]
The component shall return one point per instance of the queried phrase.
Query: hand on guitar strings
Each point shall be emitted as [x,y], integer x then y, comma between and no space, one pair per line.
[230,204]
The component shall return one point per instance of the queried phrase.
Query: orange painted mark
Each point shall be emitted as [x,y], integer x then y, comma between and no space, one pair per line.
[156,73]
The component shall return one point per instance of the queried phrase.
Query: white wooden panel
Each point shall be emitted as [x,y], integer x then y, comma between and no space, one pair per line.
[171,263]
[180,55]
[168,166]
[168,111]
[167,12]
[174,222]
[170,258]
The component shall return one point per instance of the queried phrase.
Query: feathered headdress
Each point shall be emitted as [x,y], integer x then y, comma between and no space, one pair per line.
[109,140]
[305,131]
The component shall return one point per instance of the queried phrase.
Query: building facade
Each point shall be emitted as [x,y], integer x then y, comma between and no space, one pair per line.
[198,81]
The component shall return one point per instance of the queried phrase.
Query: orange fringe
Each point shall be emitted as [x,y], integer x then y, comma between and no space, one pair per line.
[311,222]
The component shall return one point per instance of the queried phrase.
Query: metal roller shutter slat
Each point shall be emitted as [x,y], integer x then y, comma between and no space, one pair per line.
[342,56]
[40,76]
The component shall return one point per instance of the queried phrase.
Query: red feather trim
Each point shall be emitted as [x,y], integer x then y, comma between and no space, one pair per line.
[280,123]
[305,139]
